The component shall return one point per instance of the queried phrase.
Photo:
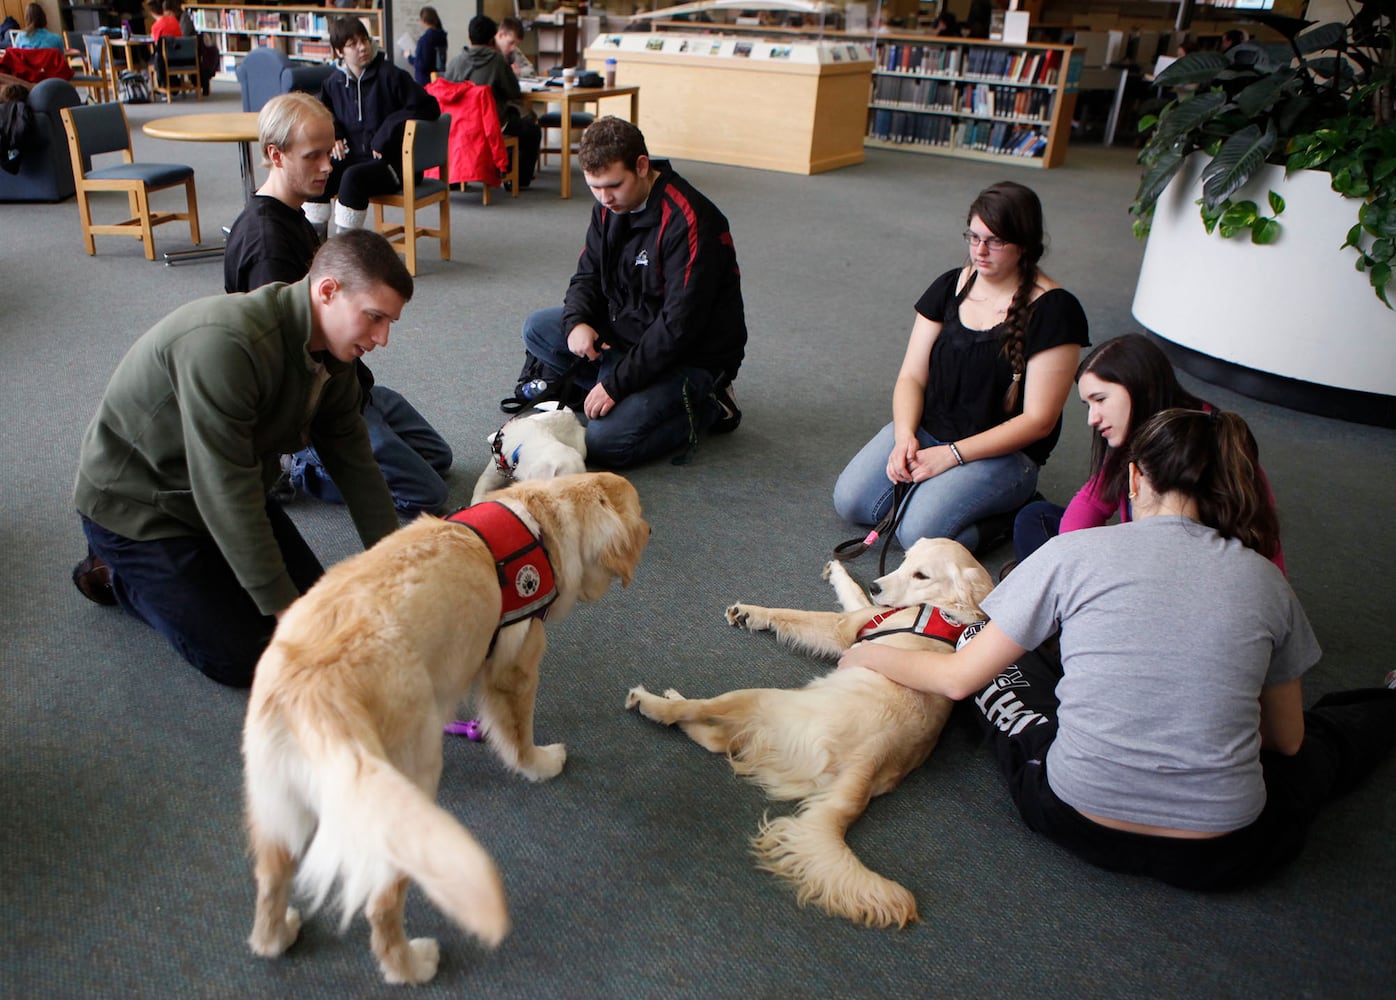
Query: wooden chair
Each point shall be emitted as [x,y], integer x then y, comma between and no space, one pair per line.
[99,76]
[552,121]
[102,128]
[424,145]
[177,70]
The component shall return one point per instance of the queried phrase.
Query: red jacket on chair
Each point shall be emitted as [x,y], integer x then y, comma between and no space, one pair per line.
[477,144]
[34,65]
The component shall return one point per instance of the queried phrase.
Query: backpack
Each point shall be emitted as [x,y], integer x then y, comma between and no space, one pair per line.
[132,87]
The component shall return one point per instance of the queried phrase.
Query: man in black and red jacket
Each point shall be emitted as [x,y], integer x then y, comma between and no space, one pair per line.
[653,319]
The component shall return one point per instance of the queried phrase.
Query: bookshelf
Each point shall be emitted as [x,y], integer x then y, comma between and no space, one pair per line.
[973,98]
[300,32]
[967,97]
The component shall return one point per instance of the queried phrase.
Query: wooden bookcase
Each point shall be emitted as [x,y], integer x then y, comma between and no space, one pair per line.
[973,98]
[967,97]
[300,32]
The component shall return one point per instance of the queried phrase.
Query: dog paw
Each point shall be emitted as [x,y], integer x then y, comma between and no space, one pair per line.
[423,954]
[738,615]
[545,762]
[269,942]
[635,694]
[827,571]
[672,695]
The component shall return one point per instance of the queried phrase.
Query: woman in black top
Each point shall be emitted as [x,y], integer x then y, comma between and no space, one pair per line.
[978,401]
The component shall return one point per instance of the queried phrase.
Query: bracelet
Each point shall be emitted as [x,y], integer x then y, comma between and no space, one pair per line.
[959,459]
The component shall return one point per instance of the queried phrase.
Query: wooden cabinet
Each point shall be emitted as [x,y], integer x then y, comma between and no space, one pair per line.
[300,32]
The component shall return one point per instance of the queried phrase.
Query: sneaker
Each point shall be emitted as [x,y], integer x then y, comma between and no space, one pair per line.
[92,577]
[731,416]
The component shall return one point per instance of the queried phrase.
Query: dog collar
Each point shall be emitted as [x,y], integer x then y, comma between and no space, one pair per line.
[929,622]
[506,466]
[526,582]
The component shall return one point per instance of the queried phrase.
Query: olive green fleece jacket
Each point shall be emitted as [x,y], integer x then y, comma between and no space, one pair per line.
[188,435]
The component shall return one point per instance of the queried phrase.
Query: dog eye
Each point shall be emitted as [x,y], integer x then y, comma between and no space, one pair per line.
[918,576]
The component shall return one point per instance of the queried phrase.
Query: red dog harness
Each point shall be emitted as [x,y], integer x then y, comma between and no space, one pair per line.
[930,623]
[526,582]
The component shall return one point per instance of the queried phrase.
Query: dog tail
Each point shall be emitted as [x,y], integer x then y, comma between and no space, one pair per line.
[809,850]
[375,825]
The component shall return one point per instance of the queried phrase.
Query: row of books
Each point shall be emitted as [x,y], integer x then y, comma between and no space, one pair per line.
[1026,66]
[972,98]
[1002,138]
[900,57]
[236,19]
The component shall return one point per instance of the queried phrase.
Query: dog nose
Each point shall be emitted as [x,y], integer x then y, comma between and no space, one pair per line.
[874,588]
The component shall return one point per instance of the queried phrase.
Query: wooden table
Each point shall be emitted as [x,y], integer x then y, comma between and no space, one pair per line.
[142,46]
[573,99]
[223,126]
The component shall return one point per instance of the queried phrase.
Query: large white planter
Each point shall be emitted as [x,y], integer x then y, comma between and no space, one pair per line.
[1296,309]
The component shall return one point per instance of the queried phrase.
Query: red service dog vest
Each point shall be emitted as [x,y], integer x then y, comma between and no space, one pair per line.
[526,583]
[930,623]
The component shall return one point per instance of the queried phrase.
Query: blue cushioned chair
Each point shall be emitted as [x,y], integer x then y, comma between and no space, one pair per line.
[177,67]
[44,172]
[265,72]
[102,128]
[553,119]
[424,145]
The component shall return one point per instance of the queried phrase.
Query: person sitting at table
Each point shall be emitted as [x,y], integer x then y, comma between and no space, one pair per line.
[36,34]
[509,38]
[166,26]
[273,241]
[430,54]
[481,62]
[371,100]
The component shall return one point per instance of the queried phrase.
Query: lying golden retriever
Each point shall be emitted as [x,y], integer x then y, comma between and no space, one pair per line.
[845,737]
[344,726]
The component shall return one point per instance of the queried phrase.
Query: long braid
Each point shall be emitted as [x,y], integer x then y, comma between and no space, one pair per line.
[1015,330]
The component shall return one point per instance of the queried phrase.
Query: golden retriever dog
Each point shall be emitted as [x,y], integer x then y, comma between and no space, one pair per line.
[342,743]
[844,737]
[540,445]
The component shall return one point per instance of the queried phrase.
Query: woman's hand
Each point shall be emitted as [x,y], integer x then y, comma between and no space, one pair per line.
[932,461]
[340,150]
[902,460]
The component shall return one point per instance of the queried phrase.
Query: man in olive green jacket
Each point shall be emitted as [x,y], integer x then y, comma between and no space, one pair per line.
[176,465]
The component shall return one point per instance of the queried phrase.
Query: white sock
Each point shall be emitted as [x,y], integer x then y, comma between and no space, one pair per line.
[316,211]
[348,218]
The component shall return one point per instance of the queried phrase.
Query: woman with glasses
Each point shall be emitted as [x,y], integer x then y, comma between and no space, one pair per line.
[977,405]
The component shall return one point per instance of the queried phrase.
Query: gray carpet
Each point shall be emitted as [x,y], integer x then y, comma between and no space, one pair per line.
[120,834]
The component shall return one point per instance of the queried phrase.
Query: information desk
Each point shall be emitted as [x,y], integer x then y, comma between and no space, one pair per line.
[798,106]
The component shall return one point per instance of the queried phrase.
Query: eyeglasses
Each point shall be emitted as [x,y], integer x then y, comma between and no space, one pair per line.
[974,240]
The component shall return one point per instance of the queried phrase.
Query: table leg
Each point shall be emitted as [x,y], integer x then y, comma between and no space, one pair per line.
[249,177]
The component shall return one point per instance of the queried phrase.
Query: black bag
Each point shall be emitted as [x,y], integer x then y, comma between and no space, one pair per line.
[133,87]
[538,383]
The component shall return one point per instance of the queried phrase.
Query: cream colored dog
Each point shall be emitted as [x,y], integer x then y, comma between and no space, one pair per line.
[343,736]
[538,446]
[845,737]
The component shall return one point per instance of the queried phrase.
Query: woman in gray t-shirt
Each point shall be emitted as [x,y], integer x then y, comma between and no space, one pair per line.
[1172,740]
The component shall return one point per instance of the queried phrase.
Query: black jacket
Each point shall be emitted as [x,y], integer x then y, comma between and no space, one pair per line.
[370,112]
[661,286]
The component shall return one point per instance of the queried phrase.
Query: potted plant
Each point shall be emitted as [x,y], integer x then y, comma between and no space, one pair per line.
[1330,109]
[1300,158]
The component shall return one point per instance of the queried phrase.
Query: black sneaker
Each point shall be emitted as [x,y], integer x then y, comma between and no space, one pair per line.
[731,417]
[92,577]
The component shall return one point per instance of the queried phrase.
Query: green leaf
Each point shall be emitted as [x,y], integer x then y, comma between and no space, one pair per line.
[1382,250]
[1239,157]
[1185,117]
[1241,215]
[1380,276]
[1226,231]
[1277,203]
[1354,236]
[1325,36]
[1153,182]
[1195,67]
[1260,95]
[1265,231]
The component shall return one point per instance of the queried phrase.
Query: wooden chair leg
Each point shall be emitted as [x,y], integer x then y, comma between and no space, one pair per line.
[192,199]
[147,231]
[445,227]
[85,215]
[409,235]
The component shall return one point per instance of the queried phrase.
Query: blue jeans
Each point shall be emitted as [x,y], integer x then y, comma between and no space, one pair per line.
[1034,525]
[949,505]
[412,455]
[660,419]
[185,590]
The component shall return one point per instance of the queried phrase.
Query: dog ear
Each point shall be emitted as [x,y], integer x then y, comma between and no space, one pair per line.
[629,533]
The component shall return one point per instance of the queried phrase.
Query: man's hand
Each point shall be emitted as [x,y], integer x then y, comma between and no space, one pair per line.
[598,402]
[340,150]
[583,342]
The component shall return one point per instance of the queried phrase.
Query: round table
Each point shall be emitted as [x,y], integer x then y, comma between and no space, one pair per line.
[221,126]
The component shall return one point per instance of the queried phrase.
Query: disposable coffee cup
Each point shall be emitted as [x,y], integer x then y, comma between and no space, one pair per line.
[610,72]
[569,78]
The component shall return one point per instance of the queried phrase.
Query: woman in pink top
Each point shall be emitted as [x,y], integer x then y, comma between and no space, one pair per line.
[1123,383]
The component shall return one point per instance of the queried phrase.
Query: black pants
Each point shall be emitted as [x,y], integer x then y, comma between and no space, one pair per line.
[1346,734]
[356,179]
[530,137]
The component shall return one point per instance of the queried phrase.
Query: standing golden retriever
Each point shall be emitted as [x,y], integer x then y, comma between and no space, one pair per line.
[343,737]
[845,737]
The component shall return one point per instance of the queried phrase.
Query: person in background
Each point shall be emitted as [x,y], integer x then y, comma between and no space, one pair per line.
[175,466]
[36,34]
[1123,383]
[372,101]
[509,38]
[273,241]
[432,46]
[946,25]
[977,405]
[1171,741]
[653,323]
[482,63]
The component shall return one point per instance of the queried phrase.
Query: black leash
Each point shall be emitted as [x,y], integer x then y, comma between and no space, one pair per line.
[886,529]
[558,389]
